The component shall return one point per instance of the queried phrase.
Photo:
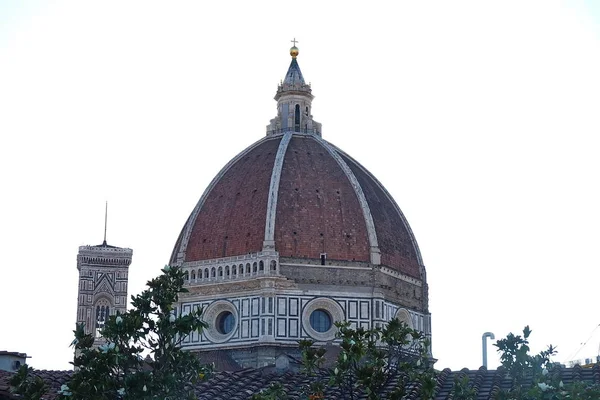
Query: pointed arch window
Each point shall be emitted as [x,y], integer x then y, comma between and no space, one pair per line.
[297,118]
[102,314]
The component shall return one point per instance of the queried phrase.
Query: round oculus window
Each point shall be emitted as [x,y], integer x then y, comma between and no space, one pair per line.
[320,320]
[225,322]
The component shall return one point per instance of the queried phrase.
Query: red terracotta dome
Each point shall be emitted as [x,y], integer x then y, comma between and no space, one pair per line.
[299,195]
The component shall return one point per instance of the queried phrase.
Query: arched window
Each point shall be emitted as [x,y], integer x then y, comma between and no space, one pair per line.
[227,271]
[206,273]
[102,314]
[297,118]
[186,276]
[193,275]
[213,272]
[234,270]
[220,272]
[273,265]
[261,266]
[248,269]
[254,268]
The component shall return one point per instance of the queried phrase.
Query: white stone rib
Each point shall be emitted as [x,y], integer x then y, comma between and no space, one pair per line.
[402,217]
[192,219]
[362,200]
[269,243]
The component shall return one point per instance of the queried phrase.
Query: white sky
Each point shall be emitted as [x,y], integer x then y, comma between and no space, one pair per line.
[481,118]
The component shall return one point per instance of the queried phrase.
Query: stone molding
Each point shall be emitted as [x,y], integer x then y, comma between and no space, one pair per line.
[210,317]
[403,315]
[326,266]
[269,243]
[389,196]
[362,200]
[219,291]
[401,276]
[334,310]
[104,256]
[187,230]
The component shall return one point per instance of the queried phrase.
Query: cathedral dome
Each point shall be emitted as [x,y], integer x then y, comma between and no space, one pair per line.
[300,197]
[303,197]
[291,236]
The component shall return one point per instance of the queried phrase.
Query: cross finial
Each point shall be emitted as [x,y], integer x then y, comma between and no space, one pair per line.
[294,41]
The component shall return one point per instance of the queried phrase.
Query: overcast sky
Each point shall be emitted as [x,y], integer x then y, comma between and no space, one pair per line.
[481,118]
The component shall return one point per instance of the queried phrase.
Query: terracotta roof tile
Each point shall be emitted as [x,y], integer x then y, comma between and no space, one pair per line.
[242,384]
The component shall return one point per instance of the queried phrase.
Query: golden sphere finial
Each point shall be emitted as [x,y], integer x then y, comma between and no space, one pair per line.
[294,49]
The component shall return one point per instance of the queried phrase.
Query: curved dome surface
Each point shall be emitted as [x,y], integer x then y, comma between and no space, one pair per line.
[301,196]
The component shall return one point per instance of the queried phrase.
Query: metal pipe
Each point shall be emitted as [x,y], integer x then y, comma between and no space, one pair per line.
[484,345]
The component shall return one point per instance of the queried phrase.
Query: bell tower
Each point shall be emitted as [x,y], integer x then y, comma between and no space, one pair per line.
[103,274]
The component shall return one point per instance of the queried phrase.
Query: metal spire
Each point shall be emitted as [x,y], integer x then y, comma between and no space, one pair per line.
[105,221]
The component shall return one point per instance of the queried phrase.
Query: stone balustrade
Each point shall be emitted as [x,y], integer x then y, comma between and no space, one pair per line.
[265,263]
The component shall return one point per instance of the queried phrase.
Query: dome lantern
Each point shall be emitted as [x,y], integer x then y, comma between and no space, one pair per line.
[294,102]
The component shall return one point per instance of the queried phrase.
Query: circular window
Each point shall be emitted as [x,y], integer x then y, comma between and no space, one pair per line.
[318,317]
[222,319]
[320,320]
[404,316]
[225,322]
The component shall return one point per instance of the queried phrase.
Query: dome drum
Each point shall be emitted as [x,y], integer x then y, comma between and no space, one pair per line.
[281,318]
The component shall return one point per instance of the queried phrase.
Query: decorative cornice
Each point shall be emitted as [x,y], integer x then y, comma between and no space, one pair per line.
[104,256]
[325,266]
[401,276]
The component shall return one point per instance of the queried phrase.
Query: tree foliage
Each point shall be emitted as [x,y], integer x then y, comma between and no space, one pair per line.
[139,355]
[536,377]
[275,391]
[462,390]
[368,360]
[26,385]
